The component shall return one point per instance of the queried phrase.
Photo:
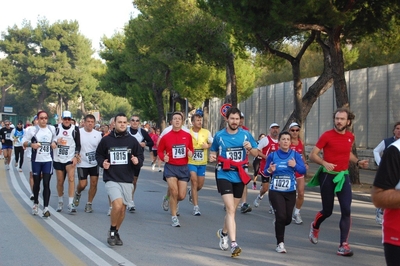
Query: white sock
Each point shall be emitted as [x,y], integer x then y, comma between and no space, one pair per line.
[60,199]
[296,211]
[70,200]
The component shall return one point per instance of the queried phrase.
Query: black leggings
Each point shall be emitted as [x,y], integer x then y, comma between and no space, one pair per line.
[46,189]
[283,204]
[392,254]
[256,166]
[327,188]
[19,155]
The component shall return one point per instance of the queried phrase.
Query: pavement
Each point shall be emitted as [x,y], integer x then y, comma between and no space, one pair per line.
[360,191]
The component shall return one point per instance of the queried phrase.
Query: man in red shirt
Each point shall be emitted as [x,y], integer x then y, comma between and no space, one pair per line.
[386,194]
[333,176]
[174,149]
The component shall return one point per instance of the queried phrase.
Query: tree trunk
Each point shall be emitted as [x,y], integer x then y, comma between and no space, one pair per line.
[42,97]
[232,78]
[339,83]
[160,105]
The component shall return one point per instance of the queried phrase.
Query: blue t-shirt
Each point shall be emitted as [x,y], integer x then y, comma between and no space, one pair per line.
[283,178]
[230,146]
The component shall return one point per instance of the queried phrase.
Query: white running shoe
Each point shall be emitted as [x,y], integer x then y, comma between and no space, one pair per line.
[256,202]
[20,169]
[297,218]
[165,203]
[88,207]
[235,250]
[281,248]
[196,211]
[175,222]
[35,209]
[60,207]
[77,199]
[71,208]
[153,167]
[223,240]
[7,167]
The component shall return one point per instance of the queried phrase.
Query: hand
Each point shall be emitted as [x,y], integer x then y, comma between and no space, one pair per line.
[106,164]
[272,167]
[53,145]
[328,166]
[166,158]
[143,144]
[292,162]
[363,164]
[213,158]
[247,145]
[35,145]
[190,153]
[134,160]
[204,146]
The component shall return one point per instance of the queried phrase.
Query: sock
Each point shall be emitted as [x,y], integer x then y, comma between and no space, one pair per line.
[223,234]
[70,200]
[233,244]
[296,211]
[113,228]
[60,199]
[45,209]
[89,203]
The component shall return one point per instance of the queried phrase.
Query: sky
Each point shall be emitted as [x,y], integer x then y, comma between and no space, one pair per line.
[96,18]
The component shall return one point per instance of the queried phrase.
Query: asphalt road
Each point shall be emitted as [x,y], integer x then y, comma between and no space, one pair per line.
[149,238]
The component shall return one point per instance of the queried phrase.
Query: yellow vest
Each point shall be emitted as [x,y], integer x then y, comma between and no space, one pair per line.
[200,155]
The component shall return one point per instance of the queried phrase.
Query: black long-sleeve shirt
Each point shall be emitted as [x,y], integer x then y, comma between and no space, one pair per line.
[118,148]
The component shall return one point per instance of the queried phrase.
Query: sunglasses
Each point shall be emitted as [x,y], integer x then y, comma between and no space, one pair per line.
[43,117]
[135,120]
[294,130]
[67,118]
[7,124]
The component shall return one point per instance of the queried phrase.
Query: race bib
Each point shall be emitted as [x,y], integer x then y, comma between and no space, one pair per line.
[8,136]
[235,154]
[44,148]
[198,155]
[178,151]
[282,183]
[63,151]
[119,155]
[91,157]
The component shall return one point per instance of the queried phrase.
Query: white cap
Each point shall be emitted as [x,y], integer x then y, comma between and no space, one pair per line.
[294,124]
[66,114]
[241,115]
[273,125]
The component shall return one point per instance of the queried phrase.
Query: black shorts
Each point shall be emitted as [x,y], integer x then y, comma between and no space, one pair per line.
[83,173]
[154,153]
[264,179]
[226,187]
[136,172]
[61,166]
[179,171]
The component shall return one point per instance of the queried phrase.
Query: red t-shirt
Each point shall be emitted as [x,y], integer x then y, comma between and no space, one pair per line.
[176,144]
[299,148]
[336,148]
[267,145]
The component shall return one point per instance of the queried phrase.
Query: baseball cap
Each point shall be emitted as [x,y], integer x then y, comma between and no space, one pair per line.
[294,124]
[273,125]
[66,114]
[241,115]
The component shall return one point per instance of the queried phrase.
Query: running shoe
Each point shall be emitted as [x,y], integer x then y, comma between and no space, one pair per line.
[7,167]
[254,187]
[344,250]
[88,207]
[256,202]
[159,170]
[111,239]
[281,248]
[223,240]
[190,195]
[313,236]
[245,208]
[60,207]
[153,167]
[271,210]
[77,199]
[165,203]
[297,218]
[235,250]
[118,240]
[16,164]
[175,222]
[35,209]
[20,169]
[46,213]
[31,197]
[71,208]
[379,216]
[109,211]
[131,207]
[196,211]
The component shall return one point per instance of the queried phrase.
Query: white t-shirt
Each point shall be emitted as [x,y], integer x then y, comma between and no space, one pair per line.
[45,136]
[65,150]
[89,142]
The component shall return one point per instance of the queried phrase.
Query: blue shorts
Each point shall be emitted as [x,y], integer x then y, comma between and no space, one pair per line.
[200,170]
[181,172]
[7,147]
[39,168]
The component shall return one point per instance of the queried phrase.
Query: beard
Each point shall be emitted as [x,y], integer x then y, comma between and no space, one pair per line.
[233,126]
[340,129]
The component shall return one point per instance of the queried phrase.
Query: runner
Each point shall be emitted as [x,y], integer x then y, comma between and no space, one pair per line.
[256,164]
[7,143]
[17,134]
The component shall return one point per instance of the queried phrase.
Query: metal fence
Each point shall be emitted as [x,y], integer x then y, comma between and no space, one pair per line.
[374,95]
